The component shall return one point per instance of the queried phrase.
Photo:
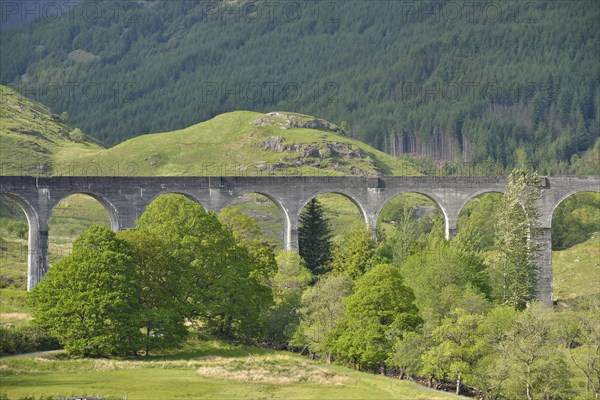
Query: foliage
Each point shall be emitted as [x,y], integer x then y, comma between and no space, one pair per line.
[477,223]
[314,237]
[456,348]
[288,284]
[575,220]
[162,317]
[322,310]
[25,339]
[531,365]
[355,255]
[98,314]
[214,271]
[380,310]
[514,273]
[444,277]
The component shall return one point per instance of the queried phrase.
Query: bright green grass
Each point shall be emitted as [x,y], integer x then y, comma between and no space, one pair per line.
[576,271]
[213,370]
[13,300]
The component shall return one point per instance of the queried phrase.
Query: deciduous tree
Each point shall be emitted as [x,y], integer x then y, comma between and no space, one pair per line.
[91,299]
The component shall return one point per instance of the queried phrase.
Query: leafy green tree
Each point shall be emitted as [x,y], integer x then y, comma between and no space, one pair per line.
[164,306]
[407,352]
[314,238]
[531,364]
[398,245]
[443,277]
[247,232]
[322,310]
[91,299]
[288,284]
[514,273]
[585,352]
[380,310]
[220,279]
[457,347]
[355,255]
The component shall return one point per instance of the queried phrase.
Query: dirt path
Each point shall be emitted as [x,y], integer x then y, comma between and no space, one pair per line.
[36,354]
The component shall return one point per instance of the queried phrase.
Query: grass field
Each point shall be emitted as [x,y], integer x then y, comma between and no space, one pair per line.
[204,370]
[576,271]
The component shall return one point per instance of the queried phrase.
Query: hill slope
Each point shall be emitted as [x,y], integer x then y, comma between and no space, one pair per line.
[31,135]
[236,143]
[250,143]
[512,83]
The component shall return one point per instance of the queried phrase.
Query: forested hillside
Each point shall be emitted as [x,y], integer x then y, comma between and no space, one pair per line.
[507,82]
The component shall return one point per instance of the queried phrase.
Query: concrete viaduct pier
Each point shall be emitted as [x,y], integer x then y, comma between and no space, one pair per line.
[126,198]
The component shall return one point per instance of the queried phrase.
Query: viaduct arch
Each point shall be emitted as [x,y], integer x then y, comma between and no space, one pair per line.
[126,198]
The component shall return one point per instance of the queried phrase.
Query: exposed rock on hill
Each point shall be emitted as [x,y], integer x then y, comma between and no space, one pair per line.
[320,155]
[288,120]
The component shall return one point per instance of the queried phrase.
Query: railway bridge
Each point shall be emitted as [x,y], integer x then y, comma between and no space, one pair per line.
[126,198]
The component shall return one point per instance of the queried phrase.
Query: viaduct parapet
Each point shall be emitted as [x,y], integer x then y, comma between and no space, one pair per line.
[126,198]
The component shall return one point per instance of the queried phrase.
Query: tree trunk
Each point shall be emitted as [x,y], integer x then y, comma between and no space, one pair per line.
[458,384]
[429,382]
[528,390]
[383,368]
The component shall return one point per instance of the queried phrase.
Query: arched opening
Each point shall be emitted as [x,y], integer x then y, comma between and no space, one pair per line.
[69,218]
[575,227]
[406,223]
[14,246]
[325,225]
[341,210]
[477,221]
[268,213]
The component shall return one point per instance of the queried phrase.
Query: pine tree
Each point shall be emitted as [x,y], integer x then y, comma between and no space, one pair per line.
[314,237]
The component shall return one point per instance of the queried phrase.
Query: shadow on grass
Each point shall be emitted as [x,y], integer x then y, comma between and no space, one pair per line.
[198,346]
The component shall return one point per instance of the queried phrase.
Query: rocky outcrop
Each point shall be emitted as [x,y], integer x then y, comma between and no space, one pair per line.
[287,121]
[341,157]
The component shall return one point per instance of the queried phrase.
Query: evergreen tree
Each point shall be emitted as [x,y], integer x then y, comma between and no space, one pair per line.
[314,237]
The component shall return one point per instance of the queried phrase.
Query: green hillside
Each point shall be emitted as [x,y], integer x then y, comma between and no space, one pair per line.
[250,143]
[493,82]
[31,135]
[576,270]
[236,143]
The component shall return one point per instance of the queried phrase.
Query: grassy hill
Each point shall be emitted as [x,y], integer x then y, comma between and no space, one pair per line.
[235,143]
[576,270]
[249,143]
[31,135]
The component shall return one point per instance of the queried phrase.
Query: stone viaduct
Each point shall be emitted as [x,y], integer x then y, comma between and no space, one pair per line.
[125,199]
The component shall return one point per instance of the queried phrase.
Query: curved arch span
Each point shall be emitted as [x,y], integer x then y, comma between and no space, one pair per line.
[113,214]
[431,197]
[287,223]
[347,195]
[474,195]
[37,244]
[563,198]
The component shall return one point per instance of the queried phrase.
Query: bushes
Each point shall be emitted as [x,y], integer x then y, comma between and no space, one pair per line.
[25,339]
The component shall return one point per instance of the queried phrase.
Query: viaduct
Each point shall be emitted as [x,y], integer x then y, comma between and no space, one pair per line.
[125,199]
